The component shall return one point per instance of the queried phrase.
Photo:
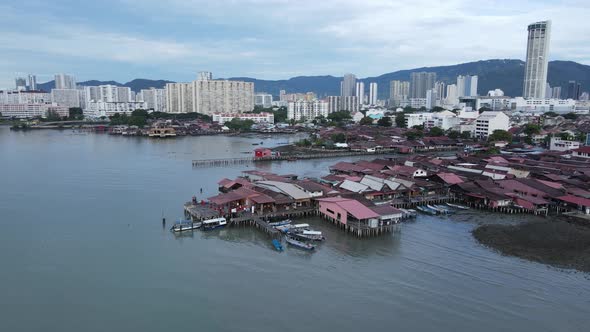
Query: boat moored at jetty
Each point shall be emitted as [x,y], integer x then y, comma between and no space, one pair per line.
[212,224]
[458,206]
[185,225]
[299,244]
[426,209]
[277,244]
[280,223]
[309,235]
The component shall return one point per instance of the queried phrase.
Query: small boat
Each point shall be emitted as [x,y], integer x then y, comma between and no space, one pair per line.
[298,228]
[299,244]
[185,225]
[432,207]
[280,223]
[426,210]
[255,143]
[457,206]
[444,208]
[277,244]
[309,235]
[212,224]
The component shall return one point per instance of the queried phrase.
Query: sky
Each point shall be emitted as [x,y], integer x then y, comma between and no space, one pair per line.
[272,39]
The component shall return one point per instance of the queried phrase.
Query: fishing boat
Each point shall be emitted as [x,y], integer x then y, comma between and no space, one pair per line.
[309,235]
[426,210]
[280,223]
[277,244]
[299,244]
[212,224]
[444,209]
[432,207]
[185,225]
[457,206]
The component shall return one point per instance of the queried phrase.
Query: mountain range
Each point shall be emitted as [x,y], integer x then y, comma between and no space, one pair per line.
[505,74]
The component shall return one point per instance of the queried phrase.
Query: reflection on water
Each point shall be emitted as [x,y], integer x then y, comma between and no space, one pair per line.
[95,256]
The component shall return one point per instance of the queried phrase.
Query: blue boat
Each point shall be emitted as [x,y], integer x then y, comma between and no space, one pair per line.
[426,210]
[277,244]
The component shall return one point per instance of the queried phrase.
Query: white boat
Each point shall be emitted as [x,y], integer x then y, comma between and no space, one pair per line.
[215,223]
[280,223]
[185,225]
[299,244]
[309,235]
[457,206]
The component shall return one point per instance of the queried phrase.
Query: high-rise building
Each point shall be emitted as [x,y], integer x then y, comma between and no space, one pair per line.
[420,83]
[452,97]
[179,97]
[372,93]
[537,59]
[65,97]
[573,90]
[263,99]
[556,92]
[399,92]
[360,91]
[205,76]
[32,82]
[349,103]
[348,84]
[64,81]
[154,99]
[20,83]
[441,90]
[307,110]
[334,103]
[467,85]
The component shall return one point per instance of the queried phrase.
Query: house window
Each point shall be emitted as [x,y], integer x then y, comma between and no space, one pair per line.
[330,211]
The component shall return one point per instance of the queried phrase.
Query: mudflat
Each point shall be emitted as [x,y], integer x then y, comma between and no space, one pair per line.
[557,243]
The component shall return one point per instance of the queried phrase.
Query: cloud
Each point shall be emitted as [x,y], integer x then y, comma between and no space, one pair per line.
[273,38]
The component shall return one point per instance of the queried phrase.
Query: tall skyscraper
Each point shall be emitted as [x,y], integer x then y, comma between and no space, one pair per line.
[32,82]
[360,91]
[573,90]
[537,59]
[64,81]
[420,83]
[372,93]
[20,83]
[205,76]
[348,85]
[556,92]
[441,90]
[467,85]
[452,97]
[399,92]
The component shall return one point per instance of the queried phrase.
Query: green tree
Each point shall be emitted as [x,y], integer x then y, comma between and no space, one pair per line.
[500,135]
[436,131]
[466,135]
[239,125]
[366,121]
[413,135]
[571,116]
[53,116]
[75,113]
[531,129]
[385,122]
[338,138]
[454,134]
[418,127]
[140,112]
[437,109]
[485,109]
[339,116]
[137,120]
[550,114]
[400,120]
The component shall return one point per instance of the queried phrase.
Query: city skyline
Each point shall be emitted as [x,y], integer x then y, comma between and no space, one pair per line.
[109,45]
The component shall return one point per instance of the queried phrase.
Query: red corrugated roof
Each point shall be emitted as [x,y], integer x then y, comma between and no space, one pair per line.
[450,178]
[352,206]
[575,200]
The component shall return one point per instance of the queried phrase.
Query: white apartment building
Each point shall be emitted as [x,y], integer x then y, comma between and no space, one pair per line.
[349,103]
[372,94]
[210,96]
[23,111]
[263,99]
[444,120]
[64,81]
[487,122]
[24,97]
[520,104]
[418,102]
[557,144]
[360,91]
[65,97]
[309,110]
[537,60]
[263,117]
[107,108]
[155,99]
[398,92]
[113,93]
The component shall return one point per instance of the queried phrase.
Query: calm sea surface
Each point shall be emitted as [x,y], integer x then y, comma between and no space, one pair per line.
[82,248]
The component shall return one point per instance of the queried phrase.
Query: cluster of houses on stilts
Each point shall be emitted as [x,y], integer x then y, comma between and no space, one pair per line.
[371,197]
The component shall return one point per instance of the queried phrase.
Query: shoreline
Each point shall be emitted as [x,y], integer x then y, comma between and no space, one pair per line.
[558,243]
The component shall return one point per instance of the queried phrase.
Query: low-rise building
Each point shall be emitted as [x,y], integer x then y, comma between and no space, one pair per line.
[263,117]
[583,152]
[23,111]
[558,144]
[487,122]
[103,108]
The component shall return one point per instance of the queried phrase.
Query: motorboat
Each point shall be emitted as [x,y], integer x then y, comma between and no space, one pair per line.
[299,244]
[309,235]
[212,224]
[458,206]
[185,225]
